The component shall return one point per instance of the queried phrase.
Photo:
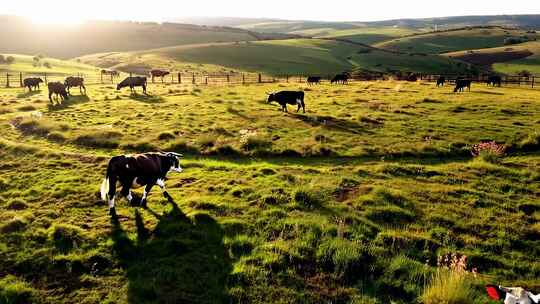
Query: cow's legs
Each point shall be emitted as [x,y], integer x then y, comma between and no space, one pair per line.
[299,104]
[147,189]
[111,194]
[284,108]
[161,183]
[126,192]
[144,88]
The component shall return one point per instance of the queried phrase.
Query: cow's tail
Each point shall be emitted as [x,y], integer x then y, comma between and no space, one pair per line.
[105,185]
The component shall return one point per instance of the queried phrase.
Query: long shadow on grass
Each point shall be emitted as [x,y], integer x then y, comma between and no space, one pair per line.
[146,98]
[334,123]
[28,94]
[183,260]
[72,100]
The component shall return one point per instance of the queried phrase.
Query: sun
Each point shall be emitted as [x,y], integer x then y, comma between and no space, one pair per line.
[56,18]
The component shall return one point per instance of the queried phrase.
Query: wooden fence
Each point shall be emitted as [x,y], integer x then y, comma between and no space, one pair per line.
[15,79]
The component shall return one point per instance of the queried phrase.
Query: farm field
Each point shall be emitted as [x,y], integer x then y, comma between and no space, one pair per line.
[52,66]
[276,57]
[367,35]
[351,202]
[453,40]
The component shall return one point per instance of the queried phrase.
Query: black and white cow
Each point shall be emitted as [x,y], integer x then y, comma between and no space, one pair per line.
[512,295]
[133,171]
[288,97]
[440,81]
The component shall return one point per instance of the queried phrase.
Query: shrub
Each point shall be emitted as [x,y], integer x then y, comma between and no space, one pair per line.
[255,142]
[166,136]
[343,256]
[56,136]
[10,59]
[531,142]
[31,126]
[207,141]
[15,291]
[307,199]
[451,283]
[489,151]
[99,139]
[47,65]
[390,215]
[66,237]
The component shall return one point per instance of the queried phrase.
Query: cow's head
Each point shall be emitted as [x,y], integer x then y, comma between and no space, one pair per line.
[271,97]
[174,161]
[39,80]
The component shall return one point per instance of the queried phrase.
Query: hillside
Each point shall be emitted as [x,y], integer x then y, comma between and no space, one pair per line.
[509,59]
[100,36]
[277,57]
[30,64]
[454,40]
[287,26]
[354,201]
[366,35]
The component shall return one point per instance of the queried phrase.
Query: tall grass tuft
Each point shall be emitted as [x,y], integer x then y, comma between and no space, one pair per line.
[451,283]
[489,151]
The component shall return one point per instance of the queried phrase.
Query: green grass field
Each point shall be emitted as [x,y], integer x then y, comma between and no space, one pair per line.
[457,40]
[367,35]
[52,66]
[276,57]
[351,202]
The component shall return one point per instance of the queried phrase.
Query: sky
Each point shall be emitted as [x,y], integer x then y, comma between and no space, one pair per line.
[70,11]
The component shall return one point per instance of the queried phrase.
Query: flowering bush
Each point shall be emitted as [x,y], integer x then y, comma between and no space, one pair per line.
[489,151]
[451,283]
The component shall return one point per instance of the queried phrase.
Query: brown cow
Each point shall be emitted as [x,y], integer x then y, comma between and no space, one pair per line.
[58,89]
[32,83]
[110,72]
[158,73]
[75,82]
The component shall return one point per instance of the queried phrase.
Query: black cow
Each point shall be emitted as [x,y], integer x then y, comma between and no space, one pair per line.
[340,78]
[133,171]
[461,84]
[75,82]
[440,81]
[132,82]
[495,80]
[32,83]
[288,97]
[59,89]
[314,80]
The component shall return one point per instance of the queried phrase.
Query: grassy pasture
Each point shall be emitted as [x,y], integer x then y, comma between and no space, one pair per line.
[367,35]
[278,57]
[350,202]
[456,40]
[26,64]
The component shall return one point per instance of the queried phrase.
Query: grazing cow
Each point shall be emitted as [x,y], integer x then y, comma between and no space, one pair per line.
[288,97]
[461,84]
[133,82]
[512,295]
[412,77]
[314,80]
[59,89]
[440,81]
[32,83]
[75,82]
[133,171]
[110,72]
[340,78]
[158,73]
[495,80]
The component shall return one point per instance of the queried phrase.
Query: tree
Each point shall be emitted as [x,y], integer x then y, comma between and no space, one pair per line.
[47,65]
[10,59]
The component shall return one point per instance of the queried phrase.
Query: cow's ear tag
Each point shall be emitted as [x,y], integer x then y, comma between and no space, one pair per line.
[127,166]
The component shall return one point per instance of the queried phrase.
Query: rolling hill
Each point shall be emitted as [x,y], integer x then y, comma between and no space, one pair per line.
[508,59]
[454,40]
[29,64]
[277,57]
[105,36]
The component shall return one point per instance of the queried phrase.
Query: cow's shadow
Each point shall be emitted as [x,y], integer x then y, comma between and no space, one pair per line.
[27,94]
[183,260]
[146,98]
[72,100]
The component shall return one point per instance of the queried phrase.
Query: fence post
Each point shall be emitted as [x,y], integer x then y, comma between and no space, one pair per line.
[101,77]
[45,76]
[7,80]
[193,80]
[243,78]
[228,78]
[112,81]
[532,82]
[20,79]
[179,77]
[206,80]
[287,77]
[260,78]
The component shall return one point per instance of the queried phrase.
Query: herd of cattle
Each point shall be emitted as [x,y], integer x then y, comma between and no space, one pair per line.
[62,90]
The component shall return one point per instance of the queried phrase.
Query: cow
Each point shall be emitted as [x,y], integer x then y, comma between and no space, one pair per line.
[75,82]
[440,81]
[59,89]
[495,80]
[512,295]
[314,80]
[288,97]
[158,73]
[32,83]
[461,84]
[110,72]
[134,171]
[412,77]
[132,82]
[340,78]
